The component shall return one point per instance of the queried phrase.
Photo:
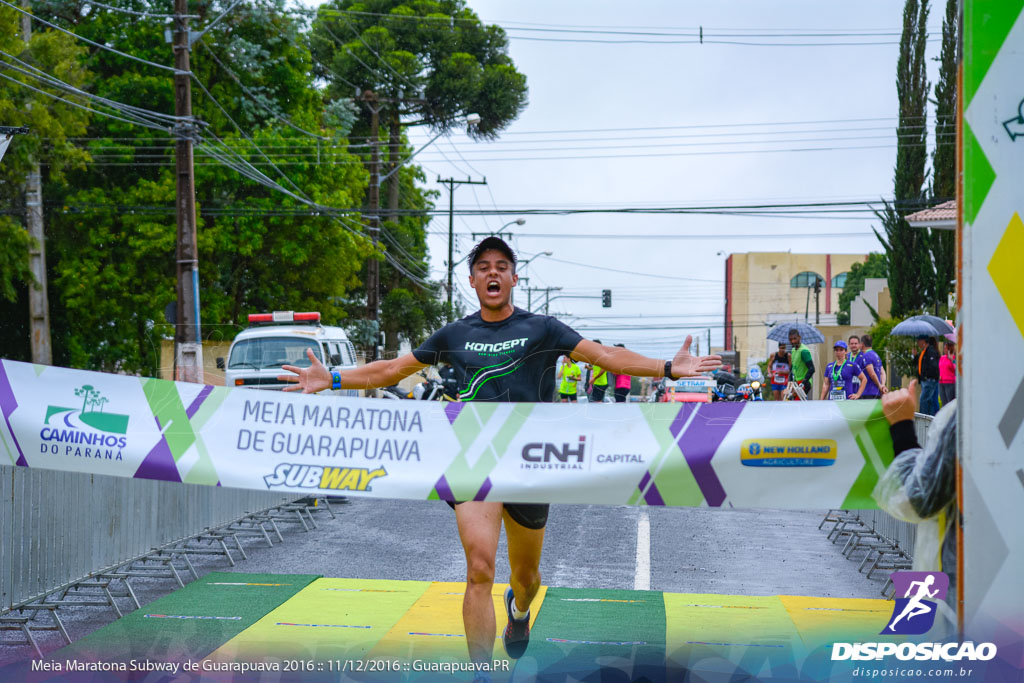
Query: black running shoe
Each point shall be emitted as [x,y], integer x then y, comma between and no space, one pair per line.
[517,633]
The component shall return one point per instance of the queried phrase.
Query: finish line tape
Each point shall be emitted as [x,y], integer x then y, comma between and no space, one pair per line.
[802,455]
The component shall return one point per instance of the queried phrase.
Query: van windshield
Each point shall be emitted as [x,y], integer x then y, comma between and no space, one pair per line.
[272,352]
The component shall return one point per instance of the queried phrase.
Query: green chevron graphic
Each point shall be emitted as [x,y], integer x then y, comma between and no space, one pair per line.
[979,181]
[180,432]
[464,479]
[987,24]
[871,432]
[669,470]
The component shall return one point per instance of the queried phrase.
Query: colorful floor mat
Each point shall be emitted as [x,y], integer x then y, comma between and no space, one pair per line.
[575,632]
[191,622]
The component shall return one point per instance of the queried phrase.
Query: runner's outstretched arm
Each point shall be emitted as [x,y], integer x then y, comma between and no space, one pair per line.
[380,373]
[625,362]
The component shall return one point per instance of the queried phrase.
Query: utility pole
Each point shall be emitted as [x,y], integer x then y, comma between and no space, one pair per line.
[451,183]
[817,301]
[38,303]
[547,296]
[188,357]
[373,265]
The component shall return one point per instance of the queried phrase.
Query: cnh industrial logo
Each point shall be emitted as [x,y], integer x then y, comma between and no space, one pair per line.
[913,614]
[550,456]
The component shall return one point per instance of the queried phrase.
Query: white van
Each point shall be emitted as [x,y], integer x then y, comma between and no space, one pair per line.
[281,338]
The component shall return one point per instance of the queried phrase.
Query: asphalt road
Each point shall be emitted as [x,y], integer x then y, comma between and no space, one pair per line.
[678,550]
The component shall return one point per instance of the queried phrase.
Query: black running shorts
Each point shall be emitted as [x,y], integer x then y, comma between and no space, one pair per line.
[529,515]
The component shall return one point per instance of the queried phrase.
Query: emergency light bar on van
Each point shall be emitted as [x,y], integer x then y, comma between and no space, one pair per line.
[285,317]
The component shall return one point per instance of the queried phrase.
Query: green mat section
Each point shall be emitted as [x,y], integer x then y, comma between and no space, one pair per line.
[190,623]
[579,631]
[330,619]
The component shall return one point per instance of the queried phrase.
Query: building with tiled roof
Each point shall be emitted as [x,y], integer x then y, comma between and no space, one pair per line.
[939,217]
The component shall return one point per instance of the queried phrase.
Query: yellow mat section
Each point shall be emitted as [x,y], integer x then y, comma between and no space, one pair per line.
[725,620]
[432,630]
[330,619]
[822,621]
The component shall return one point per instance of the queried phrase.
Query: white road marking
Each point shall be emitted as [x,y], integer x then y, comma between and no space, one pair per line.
[642,580]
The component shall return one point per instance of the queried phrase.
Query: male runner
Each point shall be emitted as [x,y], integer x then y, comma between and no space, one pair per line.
[500,353]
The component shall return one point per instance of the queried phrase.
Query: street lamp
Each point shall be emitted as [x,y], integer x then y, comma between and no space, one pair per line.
[521,265]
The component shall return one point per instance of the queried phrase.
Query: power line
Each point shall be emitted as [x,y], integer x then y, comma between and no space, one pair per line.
[92,42]
[93,3]
[279,116]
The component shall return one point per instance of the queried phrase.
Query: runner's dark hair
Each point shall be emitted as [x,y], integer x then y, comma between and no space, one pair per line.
[495,243]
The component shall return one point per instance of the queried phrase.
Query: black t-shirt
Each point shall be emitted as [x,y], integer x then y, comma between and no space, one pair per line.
[511,360]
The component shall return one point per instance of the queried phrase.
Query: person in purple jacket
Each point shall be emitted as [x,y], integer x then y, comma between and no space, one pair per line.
[838,380]
[871,365]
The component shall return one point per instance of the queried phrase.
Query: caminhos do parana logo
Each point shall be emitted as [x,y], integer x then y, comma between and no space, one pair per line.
[788,452]
[85,431]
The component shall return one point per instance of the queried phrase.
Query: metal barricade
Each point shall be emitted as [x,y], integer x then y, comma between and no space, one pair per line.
[903,534]
[56,527]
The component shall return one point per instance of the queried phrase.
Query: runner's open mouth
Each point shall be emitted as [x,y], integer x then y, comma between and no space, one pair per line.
[493,286]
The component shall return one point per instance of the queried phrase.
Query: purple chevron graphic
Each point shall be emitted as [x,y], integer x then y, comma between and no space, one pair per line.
[681,418]
[444,491]
[484,490]
[198,401]
[700,441]
[653,496]
[159,464]
[452,410]
[8,404]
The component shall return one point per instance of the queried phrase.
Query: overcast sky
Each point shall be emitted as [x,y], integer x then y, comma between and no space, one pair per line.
[707,124]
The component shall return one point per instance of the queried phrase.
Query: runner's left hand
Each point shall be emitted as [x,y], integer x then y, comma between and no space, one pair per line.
[685,364]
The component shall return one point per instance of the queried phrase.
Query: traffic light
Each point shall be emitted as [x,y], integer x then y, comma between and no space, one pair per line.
[606,298]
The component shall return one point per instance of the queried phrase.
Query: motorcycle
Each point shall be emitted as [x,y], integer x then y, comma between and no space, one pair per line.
[725,386]
[429,389]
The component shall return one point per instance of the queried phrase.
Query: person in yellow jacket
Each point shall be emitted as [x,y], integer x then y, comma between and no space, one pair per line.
[570,378]
[598,382]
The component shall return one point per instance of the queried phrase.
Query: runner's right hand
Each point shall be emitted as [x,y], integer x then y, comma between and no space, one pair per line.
[308,380]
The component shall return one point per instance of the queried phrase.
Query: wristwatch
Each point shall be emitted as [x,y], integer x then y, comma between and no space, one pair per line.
[668,370]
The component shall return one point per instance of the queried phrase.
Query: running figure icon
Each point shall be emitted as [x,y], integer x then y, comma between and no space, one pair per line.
[915,606]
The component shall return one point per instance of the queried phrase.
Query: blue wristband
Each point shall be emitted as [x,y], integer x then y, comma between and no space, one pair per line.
[335,380]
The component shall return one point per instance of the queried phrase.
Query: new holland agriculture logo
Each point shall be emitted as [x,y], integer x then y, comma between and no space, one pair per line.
[299,476]
[788,452]
[914,615]
[87,431]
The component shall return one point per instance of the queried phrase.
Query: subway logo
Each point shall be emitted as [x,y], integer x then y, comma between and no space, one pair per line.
[788,452]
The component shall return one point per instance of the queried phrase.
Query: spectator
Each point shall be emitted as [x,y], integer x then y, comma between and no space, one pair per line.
[570,373]
[947,373]
[920,484]
[839,374]
[778,371]
[802,364]
[598,382]
[622,384]
[928,373]
[871,364]
[855,357]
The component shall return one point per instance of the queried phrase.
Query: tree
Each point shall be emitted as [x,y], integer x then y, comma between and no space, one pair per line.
[114,269]
[51,124]
[429,62]
[910,273]
[875,266]
[943,242]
